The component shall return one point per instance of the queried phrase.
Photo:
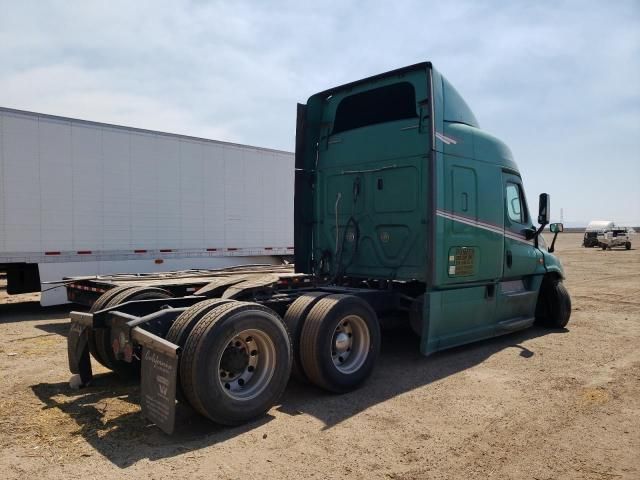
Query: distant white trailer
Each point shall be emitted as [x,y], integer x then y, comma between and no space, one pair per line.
[87,198]
[595,227]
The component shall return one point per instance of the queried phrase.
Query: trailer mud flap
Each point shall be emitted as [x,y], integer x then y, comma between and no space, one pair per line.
[159,376]
[78,347]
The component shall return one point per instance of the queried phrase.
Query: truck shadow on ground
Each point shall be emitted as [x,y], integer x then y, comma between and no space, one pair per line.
[401,368]
[32,310]
[121,434]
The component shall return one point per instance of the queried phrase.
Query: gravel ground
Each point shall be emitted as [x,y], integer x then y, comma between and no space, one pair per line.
[536,404]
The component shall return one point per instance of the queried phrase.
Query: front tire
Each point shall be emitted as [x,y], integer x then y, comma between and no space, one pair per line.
[554,304]
[236,362]
[627,245]
[340,343]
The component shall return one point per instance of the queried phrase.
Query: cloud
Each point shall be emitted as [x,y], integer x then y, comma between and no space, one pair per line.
[552,79]
[75,92]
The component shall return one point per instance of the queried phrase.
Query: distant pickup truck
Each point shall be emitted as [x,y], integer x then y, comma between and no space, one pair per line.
[616,237]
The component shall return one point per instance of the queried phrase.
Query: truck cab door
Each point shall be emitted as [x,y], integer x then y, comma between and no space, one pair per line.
[517,292]
[521,255]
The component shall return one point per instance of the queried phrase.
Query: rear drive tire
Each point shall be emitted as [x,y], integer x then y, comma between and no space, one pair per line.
[236,362]
[184,324]
[294,320]
[103,335]
[182,327]
[554,304]
[340,343]
[101,303]
[104,299]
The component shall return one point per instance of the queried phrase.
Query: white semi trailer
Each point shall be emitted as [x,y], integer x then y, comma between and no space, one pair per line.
[81,198]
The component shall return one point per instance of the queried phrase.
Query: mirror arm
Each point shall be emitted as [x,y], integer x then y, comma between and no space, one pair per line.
[553,242]
[537,233]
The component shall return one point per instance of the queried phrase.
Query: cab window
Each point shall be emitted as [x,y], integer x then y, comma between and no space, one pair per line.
[515,203]
[378,105]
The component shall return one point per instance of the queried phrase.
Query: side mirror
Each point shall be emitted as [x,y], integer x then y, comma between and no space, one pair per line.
[556,228]
[544,209]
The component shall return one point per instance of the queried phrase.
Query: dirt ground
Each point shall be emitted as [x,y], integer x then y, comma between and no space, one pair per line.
[537,404]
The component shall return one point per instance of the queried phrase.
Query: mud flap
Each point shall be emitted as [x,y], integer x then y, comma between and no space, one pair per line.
[78,347]
[159,377]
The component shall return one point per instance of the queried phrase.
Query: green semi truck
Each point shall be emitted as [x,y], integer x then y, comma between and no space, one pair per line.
[405,211]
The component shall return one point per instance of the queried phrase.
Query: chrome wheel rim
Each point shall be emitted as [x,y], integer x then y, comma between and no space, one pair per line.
[350,344]
[246,365]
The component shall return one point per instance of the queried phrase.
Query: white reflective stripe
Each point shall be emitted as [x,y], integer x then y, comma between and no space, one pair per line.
[470,221]
[445,139]
[518,238]
[483,225]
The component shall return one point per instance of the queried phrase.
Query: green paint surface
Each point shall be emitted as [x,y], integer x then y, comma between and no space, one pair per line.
[400,186]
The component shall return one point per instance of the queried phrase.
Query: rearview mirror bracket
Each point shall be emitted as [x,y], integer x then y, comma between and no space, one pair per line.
[544,208]
[555,228]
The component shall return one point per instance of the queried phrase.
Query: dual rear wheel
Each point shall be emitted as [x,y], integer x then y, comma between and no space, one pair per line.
[236,362]
[339,343]
[237,357]
[100,339]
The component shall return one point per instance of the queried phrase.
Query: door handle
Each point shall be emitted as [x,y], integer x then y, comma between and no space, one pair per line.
[509,258]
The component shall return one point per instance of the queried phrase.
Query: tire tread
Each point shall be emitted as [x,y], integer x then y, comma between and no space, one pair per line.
[294,319]
[309,354]
[102,336]
[194,349]
[101,303]
[180,329]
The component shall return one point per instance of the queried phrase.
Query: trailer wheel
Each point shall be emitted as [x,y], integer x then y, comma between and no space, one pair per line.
[340,343]
[101,303]
[627,245]
[236,362]
[554,304]
[103,335]
[294,320]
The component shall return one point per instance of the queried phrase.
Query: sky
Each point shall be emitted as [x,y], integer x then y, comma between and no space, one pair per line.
[558,81]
